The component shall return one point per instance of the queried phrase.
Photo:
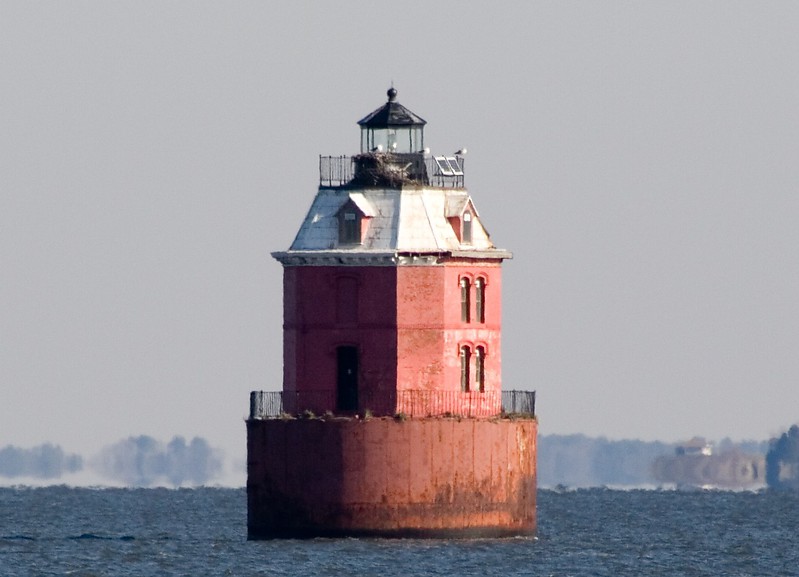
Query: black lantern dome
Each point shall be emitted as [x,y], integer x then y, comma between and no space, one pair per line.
[392,128]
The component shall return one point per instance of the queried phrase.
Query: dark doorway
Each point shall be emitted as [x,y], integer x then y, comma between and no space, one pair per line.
[347,380]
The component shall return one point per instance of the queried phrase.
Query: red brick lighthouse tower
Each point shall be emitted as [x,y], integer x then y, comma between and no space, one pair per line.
[392,419]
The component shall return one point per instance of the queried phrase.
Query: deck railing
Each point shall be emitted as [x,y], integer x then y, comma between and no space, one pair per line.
[390,169]
[412,404]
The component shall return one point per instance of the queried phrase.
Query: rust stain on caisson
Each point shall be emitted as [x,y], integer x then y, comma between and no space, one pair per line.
[343,487]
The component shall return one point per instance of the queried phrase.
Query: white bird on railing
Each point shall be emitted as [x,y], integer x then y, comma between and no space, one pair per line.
[460,152]
[378,148]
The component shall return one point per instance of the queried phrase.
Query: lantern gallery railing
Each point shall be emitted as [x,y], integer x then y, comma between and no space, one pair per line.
[391,169]
[412,404]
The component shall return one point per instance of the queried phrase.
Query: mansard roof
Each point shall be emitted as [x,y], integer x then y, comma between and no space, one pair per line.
[415,220]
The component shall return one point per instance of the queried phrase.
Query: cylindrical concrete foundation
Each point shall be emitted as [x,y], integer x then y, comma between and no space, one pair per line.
[434,477]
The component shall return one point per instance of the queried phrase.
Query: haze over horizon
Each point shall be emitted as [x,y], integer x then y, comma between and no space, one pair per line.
[638,159]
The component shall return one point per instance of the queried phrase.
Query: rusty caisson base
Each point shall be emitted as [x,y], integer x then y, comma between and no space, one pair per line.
[385,477]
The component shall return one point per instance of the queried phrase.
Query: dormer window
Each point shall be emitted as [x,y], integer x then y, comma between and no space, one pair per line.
[462,217]
[349,227]
[353,218]
[466,230]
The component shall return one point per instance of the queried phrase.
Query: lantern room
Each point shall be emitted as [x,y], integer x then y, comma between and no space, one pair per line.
[392,128]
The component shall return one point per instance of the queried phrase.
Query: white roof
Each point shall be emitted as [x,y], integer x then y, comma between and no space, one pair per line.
[406,220]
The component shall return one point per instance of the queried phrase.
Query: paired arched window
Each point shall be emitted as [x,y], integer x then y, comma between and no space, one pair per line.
[479,300]
[467,384]
[480,288]
[466,355]
[466,302]
[479,369]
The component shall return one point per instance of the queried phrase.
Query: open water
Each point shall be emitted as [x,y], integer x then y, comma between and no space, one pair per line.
[162,532]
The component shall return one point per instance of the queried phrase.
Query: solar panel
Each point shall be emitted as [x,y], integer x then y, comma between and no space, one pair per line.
[455,166]
[443,165]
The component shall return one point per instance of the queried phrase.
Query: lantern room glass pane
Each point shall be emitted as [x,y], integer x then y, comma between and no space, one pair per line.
[394,139]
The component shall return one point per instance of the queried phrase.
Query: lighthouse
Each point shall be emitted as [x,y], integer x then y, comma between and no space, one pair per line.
[392,420]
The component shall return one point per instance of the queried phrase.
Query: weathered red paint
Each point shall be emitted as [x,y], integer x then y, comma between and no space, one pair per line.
[384,476]
[387,477]
[406,326]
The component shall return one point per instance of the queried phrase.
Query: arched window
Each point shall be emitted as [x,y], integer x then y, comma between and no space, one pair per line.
[479,369]
[465,300]
[465,355]
[480,287]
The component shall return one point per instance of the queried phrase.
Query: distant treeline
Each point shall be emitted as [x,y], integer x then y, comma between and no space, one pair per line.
[137,461]
[43,462]
[782,461]
[563,460]
[580,461]
[142,461]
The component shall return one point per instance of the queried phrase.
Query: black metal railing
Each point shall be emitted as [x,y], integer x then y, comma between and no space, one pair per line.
[390,169]
[335,170]
[411,404]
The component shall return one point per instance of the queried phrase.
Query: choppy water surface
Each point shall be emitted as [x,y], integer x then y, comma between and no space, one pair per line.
[93,532]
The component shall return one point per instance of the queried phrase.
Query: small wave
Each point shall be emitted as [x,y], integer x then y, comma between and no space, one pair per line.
[90,536]
[95,536]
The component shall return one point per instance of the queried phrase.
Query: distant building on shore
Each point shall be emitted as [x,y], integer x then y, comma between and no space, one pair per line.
[695,464]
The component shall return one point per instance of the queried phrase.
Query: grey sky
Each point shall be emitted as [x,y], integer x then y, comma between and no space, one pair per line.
[639,159]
